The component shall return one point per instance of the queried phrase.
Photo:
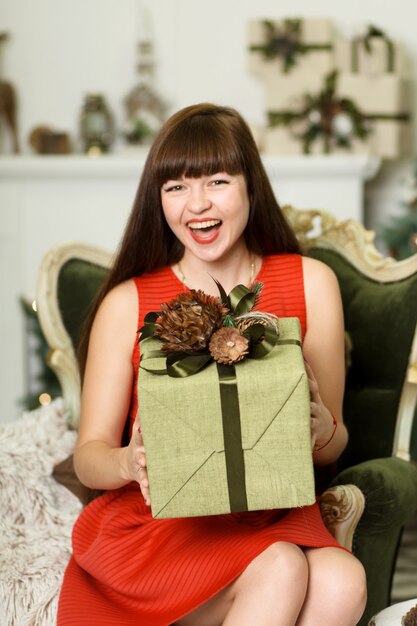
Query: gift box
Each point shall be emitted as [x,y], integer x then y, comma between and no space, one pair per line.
[228,438]
[292,46]
[320,122]
[385,101]
[379,56]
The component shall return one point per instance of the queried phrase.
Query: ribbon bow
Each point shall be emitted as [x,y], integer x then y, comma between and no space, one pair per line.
[178,364]
[366,41]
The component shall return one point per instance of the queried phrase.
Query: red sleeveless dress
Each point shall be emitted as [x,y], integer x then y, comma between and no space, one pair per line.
[129,569]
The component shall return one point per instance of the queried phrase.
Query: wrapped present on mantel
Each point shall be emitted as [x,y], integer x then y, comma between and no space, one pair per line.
[385,101]
[350,113]
[371,54]
[321,122]
[290,46]
[225,416]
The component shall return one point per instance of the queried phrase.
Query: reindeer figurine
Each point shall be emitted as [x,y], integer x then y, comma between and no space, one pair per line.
[8,105]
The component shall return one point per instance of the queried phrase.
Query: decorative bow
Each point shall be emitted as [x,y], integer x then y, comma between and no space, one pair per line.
[260,330]
[285,43]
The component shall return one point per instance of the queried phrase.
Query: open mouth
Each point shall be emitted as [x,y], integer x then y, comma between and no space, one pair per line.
[204,229]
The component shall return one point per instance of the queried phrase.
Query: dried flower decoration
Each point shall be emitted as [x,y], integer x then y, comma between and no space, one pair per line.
[195,328]
[228,345]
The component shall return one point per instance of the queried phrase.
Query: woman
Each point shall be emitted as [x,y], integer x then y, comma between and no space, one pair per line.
[204,209]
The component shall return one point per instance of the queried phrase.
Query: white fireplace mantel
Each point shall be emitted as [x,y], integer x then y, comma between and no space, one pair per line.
[126,164]
[304,181]
[47,199]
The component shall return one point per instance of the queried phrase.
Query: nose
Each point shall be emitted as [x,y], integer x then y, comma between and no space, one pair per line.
[199,199]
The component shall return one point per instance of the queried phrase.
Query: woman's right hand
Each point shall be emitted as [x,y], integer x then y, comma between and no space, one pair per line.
[136,461]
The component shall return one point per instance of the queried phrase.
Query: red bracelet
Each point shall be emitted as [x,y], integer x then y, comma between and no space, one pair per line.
[331,436]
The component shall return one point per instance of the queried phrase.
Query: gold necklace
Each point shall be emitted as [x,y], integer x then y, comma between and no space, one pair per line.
[251,272]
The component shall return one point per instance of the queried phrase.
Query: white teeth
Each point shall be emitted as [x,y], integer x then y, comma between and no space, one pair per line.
[207,224]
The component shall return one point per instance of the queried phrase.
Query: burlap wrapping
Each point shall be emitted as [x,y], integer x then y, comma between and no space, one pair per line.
[226,440]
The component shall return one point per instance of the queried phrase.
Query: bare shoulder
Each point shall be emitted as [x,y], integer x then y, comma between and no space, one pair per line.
[319,278]
[318,274]
[120,297]
[118,313]
[321,290]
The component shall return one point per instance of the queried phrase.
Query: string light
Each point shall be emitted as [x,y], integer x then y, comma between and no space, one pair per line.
[45,399]
[34,306]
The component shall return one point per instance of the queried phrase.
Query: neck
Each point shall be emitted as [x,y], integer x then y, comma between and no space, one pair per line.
[240,268]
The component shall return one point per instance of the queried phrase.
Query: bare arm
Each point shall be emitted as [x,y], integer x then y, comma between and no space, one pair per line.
[100,461]
[324,352]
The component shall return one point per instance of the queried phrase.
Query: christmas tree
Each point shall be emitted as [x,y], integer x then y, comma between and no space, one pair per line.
[400,234]
[42,385]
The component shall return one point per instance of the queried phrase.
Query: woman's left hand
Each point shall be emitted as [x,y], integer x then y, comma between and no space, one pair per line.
[322,424]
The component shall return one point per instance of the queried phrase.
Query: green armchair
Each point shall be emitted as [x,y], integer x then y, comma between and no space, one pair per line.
[373,490]
[380,306]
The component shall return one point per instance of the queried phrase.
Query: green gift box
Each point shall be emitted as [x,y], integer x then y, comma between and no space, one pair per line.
[229,438]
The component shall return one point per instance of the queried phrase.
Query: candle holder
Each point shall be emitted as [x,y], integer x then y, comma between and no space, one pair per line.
[145,110]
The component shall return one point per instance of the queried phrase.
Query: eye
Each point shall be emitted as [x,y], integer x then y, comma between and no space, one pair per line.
[219,181]
[173,188]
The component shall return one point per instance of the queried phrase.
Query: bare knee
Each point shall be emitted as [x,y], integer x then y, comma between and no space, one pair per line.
[280,562]
[344,578]
[349,587]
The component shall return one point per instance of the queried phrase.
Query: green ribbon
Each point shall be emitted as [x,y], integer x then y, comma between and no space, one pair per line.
[232,436]
[399,117]
[284,118]
[240,300]
[366,42]
[232,433]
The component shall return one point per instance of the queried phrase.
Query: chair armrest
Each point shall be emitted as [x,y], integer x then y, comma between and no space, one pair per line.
[341,508]
[390,489]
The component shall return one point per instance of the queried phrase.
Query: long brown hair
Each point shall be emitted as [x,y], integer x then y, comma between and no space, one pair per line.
[198,140]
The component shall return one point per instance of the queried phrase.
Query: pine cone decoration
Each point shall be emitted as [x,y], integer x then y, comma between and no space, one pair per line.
[228,345]
[187,322]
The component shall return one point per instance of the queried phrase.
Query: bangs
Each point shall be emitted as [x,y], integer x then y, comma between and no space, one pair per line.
[200,146]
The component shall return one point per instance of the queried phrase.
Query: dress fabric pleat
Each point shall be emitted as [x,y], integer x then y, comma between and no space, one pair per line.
[129,569]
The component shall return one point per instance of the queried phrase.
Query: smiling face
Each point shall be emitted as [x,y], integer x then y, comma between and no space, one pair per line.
[207,214]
